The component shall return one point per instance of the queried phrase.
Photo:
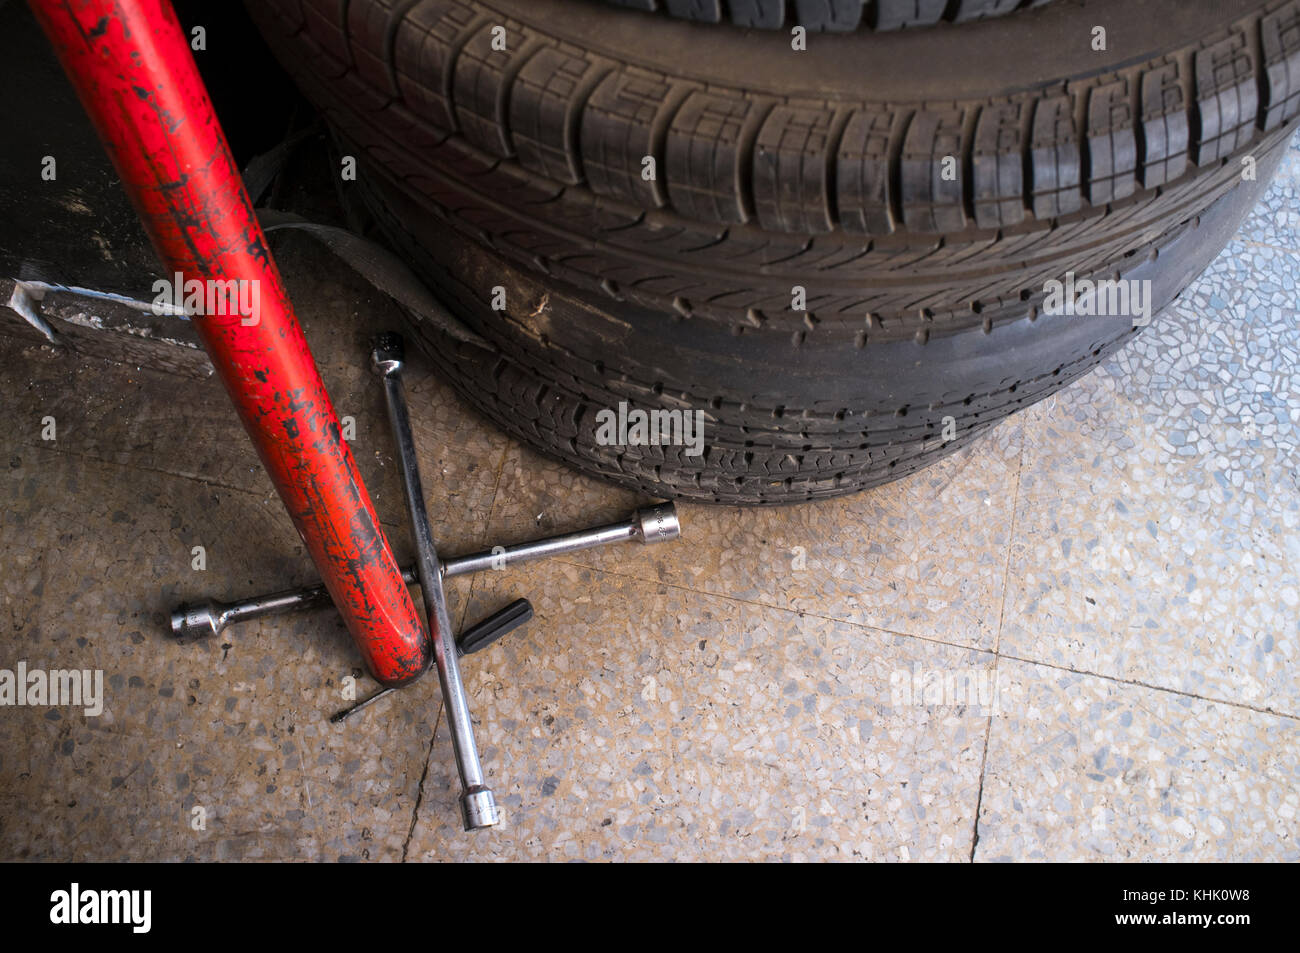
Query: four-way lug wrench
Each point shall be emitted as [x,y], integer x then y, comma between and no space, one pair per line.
[651,524]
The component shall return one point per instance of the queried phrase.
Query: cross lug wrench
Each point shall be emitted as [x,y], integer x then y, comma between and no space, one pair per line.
[648,525]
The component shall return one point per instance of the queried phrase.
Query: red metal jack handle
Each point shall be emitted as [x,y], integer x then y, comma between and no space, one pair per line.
[132,68]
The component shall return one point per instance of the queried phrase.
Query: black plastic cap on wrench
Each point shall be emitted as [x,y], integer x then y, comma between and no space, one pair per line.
[478,637]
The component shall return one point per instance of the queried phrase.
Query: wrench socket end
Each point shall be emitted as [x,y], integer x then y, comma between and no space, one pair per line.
[389,354]
[658,523]
[191,623]
[478,809]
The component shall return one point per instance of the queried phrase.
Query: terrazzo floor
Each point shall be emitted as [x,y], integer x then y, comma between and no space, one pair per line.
[1075,640]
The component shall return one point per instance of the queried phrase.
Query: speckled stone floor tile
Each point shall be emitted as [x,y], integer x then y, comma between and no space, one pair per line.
[238,728]
[1275,220]
[886,558]
[638,720]
[1086,768]
[1158,530]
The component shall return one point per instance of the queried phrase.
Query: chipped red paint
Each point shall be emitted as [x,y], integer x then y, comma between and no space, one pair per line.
[131,64]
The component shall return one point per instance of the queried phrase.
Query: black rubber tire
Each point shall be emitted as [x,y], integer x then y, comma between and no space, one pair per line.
[521,169]
[831,15]
[549,396]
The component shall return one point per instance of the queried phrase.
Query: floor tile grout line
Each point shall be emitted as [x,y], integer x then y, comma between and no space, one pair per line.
[419,795]
[1045,743]
[496,491]
[1251,243]
[1261,773]
[997,638]
[19,340]
[767,605]
[487,528]
[193,478]
[1011,540]
[979,793]
[175,475]
[1135,683]
[933,641]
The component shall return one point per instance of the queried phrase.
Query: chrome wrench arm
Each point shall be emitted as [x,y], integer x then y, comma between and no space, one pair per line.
[649,524]
[478,806]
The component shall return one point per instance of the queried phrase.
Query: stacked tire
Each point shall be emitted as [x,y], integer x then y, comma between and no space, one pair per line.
[828,227]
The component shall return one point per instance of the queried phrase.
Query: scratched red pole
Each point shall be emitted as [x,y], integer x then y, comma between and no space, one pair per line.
[131,64]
